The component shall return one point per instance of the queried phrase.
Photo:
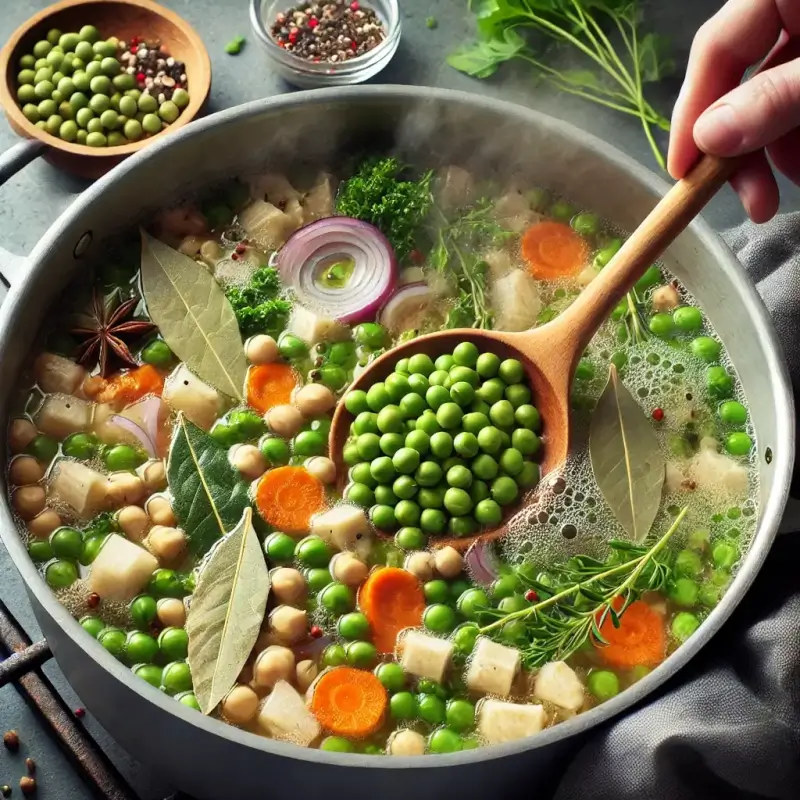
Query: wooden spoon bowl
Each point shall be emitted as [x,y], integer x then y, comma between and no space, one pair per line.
[123,19]
[550,354]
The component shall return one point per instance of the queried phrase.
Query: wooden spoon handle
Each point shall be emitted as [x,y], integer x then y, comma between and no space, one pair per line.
[647,243]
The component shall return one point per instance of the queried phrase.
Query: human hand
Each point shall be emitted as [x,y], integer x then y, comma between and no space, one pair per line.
[716,115]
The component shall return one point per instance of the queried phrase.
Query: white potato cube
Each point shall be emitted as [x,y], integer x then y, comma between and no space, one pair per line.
[313,328]
[406,743]
[516,301]
[81,488]
[284,716]
[273,187]
[319,201]
[121,569]
[184,391]
[426,656]
[500,721]
[62,415]
[266,225]
[558,683]
[493,668]
[343,527]
[57,374]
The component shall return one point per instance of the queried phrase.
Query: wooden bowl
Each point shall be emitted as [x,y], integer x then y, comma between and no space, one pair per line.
[123,19]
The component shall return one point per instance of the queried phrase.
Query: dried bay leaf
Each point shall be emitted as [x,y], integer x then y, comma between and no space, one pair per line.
[194,316]
[208,495]
[226,612]
[626,458]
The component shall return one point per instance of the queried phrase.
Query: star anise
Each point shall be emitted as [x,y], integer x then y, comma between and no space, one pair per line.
[104,329]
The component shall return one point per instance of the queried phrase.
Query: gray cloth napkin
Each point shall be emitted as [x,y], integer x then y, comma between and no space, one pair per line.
[728,726]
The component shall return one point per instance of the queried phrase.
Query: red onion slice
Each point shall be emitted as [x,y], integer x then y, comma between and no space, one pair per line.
[407,300]
[481,563]
[374,274]
[147,412]
[141,435]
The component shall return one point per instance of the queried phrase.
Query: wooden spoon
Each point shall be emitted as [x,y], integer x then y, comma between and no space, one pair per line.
[551,353]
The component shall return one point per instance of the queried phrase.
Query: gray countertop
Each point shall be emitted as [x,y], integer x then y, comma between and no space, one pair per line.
[31,200]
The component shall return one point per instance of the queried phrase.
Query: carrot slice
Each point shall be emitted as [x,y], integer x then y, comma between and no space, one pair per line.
[553,250]
[128,387]
[287,498]
[270,385]
[349,702]
[640,640]
[391,599]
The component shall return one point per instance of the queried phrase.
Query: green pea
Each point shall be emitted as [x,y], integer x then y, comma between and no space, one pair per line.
[27,61]
[88,33]
[418,384]
[412,405]
[441,445]
[361,473]
[431,498]
[28,94]
[429,473]
[103,49]
[123,457]
[444,362]
[439,618]
[365,422]
[427,423]
[651,277]
[436,397]
[432,520]
[55,58]
[91,547]
[562,211]
[177,677]
[462,393]
[54,123]
[419,441]
[684,625]
[706,348]
[484,467]
[698,540]
[479,490]
[431,709]
[384,496]
[488,512]
[459,374]
[127,106]
[151,123]
[661,325]
[337,744]
[369,446]
[725,555]
[186,698]
[140,648]
[719,382]
[110,67]
[504,490]
[181,98]
[491,391]
[317,579]
[462,526]
[407,513]
[31,112]
[371,334]
[460,715]
[275,451]
[84,51]
[313,552]
[113,639]
[68,131]
[40,551]
[489,440]
[67,543]
[474,422]
[511,461]
[410,538]
[738,444]
[68,41]
[337,598]
[391,676]
[513,603]
[383,517]
[466,354]
[459,477]
[420,363]
[457,501]
[43,448]
[26,76]
[290,347]
[687,318]
[361,654]
[390,419]
[42,48]
[683,592]
[60,574]
[403,706]
[525,441]
[92,625]
[603,684]
[82,446]
[382,469]
[449,416]
[166,583]
[353,626]
[688,564]
[360,494]
[733,413]
[511,371]
[143,611]
[465,638]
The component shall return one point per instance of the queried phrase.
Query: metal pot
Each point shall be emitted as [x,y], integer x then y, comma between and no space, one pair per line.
[212,760]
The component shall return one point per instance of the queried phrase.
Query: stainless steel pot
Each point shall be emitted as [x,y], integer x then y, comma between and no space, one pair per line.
[215,761]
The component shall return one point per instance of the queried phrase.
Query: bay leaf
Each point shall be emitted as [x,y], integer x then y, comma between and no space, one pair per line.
[226,612]
[194,316]
[208,495]
[626,458]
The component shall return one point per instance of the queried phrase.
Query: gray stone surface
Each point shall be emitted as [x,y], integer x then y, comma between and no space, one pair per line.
[34,198]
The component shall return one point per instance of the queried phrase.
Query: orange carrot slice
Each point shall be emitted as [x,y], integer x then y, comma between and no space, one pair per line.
[128,387]
[349,702]
[640,640]
[270,385]
[391,599]
[553,251]
[287,498]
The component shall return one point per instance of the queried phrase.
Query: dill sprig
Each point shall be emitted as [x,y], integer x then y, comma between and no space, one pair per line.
[583,598]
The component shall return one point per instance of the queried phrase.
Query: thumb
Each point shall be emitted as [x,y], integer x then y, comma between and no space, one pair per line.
[754,114]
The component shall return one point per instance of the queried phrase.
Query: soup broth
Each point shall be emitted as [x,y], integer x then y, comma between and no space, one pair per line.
[170,471]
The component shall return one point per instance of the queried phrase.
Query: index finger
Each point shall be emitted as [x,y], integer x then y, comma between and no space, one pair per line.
[736,37]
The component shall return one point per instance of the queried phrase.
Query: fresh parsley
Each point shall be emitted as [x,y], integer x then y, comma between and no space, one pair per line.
[259,305]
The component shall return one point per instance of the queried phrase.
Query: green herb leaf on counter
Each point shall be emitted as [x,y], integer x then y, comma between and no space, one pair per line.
[194,316]
[208,495]
[382,194]
[226,612]
[260,306]
[626,458]
[605,34]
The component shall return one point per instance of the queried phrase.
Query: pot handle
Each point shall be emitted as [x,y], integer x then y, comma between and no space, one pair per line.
[11,162]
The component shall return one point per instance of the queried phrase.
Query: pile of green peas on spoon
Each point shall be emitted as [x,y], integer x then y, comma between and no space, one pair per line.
[443,447]
[77,87]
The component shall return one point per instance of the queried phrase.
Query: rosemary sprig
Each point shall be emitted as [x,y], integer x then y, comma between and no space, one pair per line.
[561,624]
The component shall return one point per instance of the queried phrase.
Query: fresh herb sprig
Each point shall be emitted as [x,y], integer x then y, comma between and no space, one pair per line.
[458,243]
[585,595]
[616,75]
[259,305]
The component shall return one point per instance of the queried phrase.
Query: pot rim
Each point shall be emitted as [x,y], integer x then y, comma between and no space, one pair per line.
[772,509]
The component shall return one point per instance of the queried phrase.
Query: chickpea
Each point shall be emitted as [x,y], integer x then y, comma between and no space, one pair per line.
[134,522]
[166,543]
[666,298]
[288,585]
[153,475]
[24,471]
[171,612]
[28,501]
[274,664]
[240,705]
[314,399]
[190,246]
[21,433]
[289,624]
[247,458]
[420,564]
[210,252]
[407,743]
[261,349]
[284,420]
[347,569]
[322,468]
[306,674]
[124,489]
[448,562]
[42,525]
[160,511]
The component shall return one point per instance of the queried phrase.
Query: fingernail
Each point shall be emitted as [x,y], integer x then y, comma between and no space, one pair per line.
[718,131]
